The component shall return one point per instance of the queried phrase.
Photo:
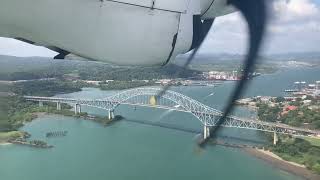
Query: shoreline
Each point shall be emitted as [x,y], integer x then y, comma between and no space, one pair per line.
[5,143]
[277,162]
[98,120]
[266,156]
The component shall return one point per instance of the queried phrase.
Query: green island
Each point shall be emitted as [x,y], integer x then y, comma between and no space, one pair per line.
[300,112]
[298,150]
[20,111]
[6,136]
[15,111]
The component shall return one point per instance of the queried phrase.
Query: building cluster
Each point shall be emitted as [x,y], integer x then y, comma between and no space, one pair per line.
[226,75]
[164,82]
[223,76]
[301,90]
[274,101]
[186,82]
[287,109]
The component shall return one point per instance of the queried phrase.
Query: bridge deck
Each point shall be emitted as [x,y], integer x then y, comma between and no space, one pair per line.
[177,102]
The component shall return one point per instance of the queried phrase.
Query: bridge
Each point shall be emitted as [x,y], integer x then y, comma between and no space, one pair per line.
[147,97]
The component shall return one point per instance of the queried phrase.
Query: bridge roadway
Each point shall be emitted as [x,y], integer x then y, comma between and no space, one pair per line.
[187,129]
[147,97]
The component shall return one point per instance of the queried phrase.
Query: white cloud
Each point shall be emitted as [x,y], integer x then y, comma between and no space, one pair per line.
[293,10]
[296,15]
[228,34]
[14,47]
[294,25]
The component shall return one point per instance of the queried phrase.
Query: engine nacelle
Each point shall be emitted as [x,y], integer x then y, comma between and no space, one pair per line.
[124,32]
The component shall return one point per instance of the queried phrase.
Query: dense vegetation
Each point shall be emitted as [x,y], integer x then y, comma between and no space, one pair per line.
[16,111]
[4,108]
[303,151]
[268,113]
[135,73]
[35,68]
[66,72]
[303,115]
[46,88]
[299,151]
[117,85]
[6,136]
[25,75]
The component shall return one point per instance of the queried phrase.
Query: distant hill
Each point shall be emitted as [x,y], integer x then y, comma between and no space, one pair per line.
[199,59]
[301,56]
[17,68]
[224,57]
[13,68]
[210,58]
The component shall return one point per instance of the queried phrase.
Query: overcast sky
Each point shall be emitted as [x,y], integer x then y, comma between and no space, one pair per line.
[294,27]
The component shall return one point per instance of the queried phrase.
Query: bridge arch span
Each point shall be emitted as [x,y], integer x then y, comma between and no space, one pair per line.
[170,99]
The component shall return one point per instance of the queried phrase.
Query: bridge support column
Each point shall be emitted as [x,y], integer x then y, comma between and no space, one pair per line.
[40,104]
[111,114]
[77,109]
[206,132]
[58,106]
[275,138]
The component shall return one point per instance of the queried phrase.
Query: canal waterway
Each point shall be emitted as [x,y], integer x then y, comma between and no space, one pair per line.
[128,150]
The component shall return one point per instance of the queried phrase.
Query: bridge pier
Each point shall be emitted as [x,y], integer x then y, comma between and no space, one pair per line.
[40,104]
[77,109]
[111,114]
[206,132]
[275,138]
[58,106]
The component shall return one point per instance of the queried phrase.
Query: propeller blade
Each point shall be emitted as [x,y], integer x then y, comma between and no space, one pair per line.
[200,30]
[255,13]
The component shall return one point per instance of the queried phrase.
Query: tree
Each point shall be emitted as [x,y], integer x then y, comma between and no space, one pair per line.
[279,99]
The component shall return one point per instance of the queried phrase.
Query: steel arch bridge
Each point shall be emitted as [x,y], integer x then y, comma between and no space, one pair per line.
[147,97]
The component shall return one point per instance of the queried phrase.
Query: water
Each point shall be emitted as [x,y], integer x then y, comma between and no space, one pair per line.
[125,151]
[128,150]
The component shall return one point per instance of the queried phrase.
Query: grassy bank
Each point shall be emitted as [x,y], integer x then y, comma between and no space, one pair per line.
[15,111]
[304,151]
[46,88]
[4,117]
[313,141]
[300,151]
[6,136]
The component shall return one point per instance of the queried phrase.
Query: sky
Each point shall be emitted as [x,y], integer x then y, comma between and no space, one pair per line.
[294,26]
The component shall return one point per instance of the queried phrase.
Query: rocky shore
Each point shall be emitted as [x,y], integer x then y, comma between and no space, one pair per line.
[273,159]
[23,140]
[33,143]
[277,162]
